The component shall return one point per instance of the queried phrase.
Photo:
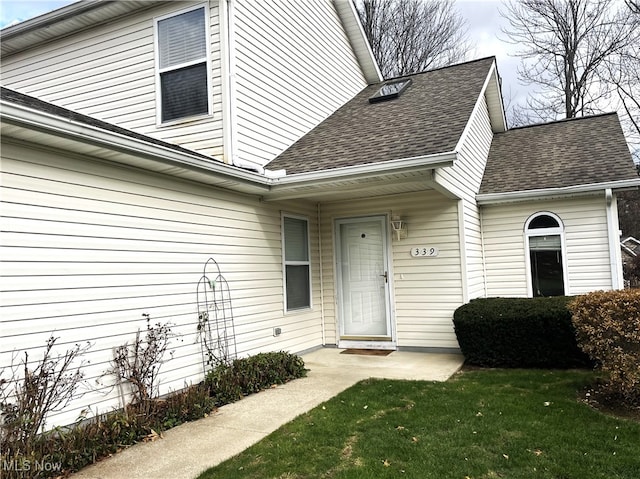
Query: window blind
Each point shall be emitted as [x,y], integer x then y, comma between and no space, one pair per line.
[545,243]
[295,240]
[182,39]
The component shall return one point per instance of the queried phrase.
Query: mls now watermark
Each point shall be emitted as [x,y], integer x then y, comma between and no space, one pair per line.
[24,465]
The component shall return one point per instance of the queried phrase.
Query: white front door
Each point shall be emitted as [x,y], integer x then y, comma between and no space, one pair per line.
[363,279]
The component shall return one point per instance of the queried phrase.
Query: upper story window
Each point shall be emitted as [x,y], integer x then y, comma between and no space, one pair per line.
[183,79]
[545,243]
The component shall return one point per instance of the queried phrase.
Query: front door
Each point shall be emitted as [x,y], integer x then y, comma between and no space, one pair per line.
[363,279]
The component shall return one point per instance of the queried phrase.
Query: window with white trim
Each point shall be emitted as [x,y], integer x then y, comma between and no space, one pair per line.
[545,244]
[297,267]
[182,65]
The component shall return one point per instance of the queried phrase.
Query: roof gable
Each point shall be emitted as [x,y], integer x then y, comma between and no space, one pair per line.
[427,119]
[568,153]
[85,14]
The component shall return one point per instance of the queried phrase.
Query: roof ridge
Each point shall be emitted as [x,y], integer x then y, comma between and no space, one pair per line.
[492,57]
[562,120]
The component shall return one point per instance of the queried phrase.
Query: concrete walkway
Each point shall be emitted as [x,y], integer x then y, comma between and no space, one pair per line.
[187,450]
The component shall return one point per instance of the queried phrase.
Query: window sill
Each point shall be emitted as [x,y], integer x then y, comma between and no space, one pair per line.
[184,121]
[298,311]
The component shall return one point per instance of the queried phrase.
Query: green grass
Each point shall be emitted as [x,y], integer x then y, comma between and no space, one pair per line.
[480,424]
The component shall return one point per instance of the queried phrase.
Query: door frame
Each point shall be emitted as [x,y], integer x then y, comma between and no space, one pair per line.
[388,342]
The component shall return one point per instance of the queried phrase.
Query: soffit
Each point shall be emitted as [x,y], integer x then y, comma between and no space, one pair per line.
[64,21]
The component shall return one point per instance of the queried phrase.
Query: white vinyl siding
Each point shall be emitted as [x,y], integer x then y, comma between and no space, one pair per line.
[294,67]
[586,243]
[425,291]
[465,177]
[88,247]
[108,72]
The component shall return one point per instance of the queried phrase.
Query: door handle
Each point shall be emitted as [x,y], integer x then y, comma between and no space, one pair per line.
[385,276]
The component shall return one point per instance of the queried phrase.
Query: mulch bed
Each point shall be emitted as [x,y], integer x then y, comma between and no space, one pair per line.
[599,398]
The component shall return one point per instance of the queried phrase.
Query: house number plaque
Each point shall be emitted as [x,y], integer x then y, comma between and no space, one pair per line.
[424,252]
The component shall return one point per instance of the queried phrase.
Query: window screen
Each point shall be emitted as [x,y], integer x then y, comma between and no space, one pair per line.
[184,92]
[183,65]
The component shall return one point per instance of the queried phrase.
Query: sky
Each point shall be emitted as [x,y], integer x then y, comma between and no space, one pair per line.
[482,18]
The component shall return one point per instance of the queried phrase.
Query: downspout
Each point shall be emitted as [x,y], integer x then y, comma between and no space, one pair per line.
[484,256]
[613,227]
[322,318]
[462,238]
[229,118]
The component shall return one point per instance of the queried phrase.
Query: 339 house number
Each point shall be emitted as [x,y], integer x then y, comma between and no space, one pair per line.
[424,252]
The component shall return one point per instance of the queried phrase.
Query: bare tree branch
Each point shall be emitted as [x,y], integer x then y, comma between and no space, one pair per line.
[563,46]
[408,36]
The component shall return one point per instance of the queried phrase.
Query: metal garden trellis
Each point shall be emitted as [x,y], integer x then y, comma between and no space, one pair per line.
[216,328]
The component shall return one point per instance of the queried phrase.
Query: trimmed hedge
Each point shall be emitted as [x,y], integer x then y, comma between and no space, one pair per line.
[608,329]
[518,333]
[229,382]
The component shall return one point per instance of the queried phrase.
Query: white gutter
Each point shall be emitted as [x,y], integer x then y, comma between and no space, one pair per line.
[259,184]
[63,127]
[547,193]
[613,230]
[438,160]
[46,19]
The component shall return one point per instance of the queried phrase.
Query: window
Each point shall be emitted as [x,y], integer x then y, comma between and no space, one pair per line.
[390,90]
[545,243]
[182,65]
[297,276]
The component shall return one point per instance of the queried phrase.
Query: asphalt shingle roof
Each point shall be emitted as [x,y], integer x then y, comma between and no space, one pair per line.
[572,152]
[428,118]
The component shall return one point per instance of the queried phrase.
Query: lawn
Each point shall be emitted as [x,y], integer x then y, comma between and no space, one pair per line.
[479,424]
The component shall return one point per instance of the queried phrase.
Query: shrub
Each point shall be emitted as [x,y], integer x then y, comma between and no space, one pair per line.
[518,333]
[29,393]
[140,362]
[608,329]
[229,382]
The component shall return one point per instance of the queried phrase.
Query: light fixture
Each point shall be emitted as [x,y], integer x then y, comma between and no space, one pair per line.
[399,226]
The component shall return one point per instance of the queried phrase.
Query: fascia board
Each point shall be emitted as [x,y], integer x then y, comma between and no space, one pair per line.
[491,79]
[46,19]
[351,23]
[439,160]
[548,193]
[41,121]
[75,131]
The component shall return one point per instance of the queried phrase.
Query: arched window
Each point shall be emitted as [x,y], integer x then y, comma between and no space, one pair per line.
[544,234]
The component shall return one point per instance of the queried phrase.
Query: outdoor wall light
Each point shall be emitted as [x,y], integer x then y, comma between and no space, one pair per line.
[399,227]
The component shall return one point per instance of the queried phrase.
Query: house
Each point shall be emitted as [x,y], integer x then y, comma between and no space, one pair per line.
[630,249]
[141,139]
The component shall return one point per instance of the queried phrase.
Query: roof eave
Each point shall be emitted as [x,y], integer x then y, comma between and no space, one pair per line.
[438,160]
[315,182]
[136,152]
[551,193]
[64,21]
[361,48]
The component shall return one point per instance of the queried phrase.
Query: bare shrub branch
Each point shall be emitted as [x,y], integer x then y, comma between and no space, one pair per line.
[32,393]
[140,362]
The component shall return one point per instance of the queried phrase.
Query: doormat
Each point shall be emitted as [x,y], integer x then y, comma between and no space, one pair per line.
[368,352]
